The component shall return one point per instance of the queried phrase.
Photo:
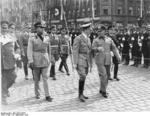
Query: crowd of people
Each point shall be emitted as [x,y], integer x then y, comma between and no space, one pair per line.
[42,49]
[133,44]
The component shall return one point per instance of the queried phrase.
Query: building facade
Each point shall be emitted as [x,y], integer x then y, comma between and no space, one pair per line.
[100,11]
[16,11]
[75,11]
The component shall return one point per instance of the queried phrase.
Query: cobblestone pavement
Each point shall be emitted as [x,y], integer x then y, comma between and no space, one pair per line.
[131,93]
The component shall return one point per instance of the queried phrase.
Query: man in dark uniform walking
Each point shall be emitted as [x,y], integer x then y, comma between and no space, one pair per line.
[24,37]
[145,49]
[64,50]
[54,46]
[82,57]
[126,49]
[112,35]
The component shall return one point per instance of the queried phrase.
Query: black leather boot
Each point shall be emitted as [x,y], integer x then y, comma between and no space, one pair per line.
[81,98]
[52,72]
[66,68]
[85,97]
[60,67]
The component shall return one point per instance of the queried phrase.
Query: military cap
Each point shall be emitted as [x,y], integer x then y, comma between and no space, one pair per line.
[109,27]
[4,22]
[11,24]
[63,28]
[39,24]
[52,27]
[86,26]
[102,27]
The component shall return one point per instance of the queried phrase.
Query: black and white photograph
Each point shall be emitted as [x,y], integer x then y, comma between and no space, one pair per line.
[74,56]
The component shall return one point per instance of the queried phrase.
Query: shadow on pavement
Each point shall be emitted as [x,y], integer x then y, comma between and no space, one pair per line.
[73,105]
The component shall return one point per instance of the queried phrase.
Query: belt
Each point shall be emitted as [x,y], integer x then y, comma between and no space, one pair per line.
[25,44]
[65,45]
[40,51]
[54,46]
[82,52]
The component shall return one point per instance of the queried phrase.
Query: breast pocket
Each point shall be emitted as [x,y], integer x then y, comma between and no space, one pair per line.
[84,47]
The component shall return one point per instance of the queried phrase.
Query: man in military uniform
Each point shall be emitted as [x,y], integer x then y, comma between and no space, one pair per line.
[38,57]
[82,57]
[64,50]
[126,49]
[102,46]
[24,37]
[112,35]
[145,49]
[148,43]
[54,51]
[8,60]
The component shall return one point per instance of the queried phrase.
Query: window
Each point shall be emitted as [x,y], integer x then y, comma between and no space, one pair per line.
[83,12]
[130,11]
[119,11]
[105,11]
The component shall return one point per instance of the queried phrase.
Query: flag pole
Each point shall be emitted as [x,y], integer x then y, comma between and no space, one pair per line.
[141,13]
[93,12]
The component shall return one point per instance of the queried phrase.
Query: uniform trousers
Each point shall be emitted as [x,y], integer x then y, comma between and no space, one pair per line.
[25,61]
[8,78]
[116,66]
[38,72]
[103,70]
[64,62]
[25,65]
[82,71]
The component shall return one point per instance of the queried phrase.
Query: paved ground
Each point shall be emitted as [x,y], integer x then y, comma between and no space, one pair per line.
[131,93]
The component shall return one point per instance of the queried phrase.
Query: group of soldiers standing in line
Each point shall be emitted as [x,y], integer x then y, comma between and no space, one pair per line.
[40,50]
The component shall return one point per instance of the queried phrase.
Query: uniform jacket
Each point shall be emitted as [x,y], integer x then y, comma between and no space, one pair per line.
[54,44]
[8,51]
[104,57]
[37,51]
[54,47]
[82,51]
[24,37]
[64,44]
[144,43]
